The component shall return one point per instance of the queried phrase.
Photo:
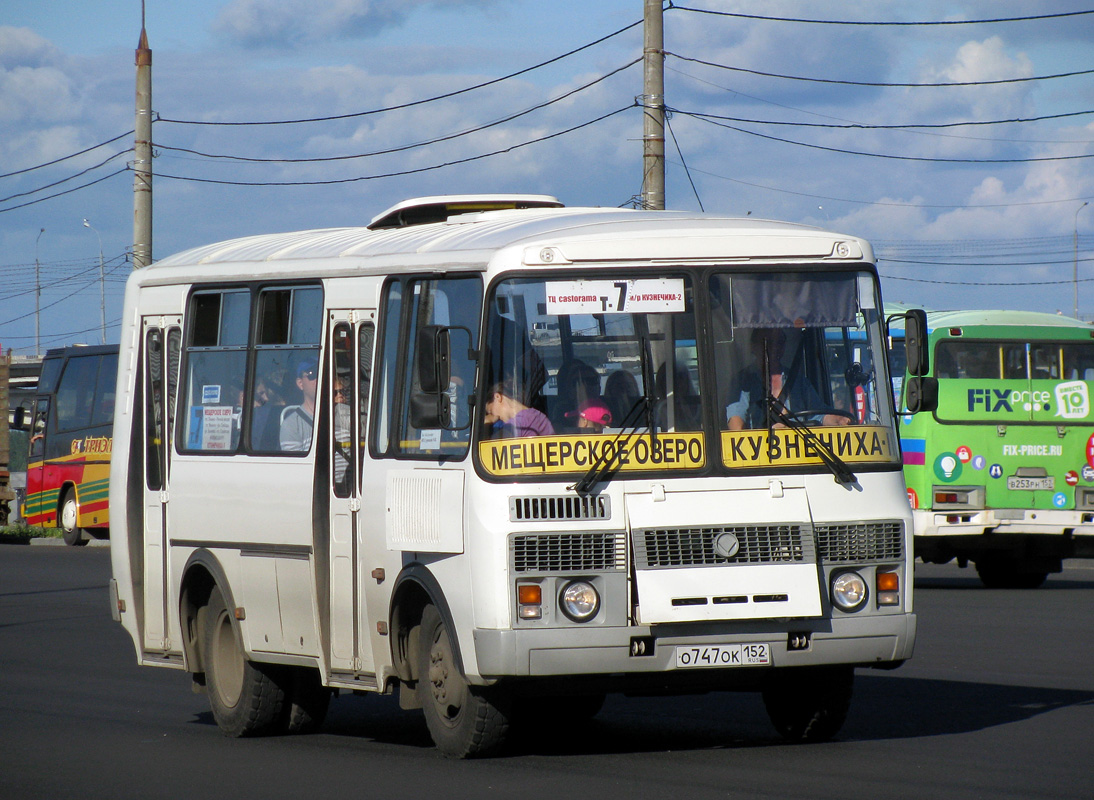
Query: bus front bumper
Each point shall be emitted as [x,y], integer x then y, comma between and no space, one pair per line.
[882,640]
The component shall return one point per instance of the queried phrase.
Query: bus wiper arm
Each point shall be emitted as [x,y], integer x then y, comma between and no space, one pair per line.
[603,464]
[837,465]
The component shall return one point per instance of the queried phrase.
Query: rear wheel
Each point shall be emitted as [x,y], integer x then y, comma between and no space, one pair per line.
[809,704]
[247,698]
[69,517]
[464,720]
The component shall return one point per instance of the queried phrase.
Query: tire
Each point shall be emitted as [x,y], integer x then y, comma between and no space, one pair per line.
[69,519]
[809,704]
[465,721]
[247,698]
[308,701]
[1007,575]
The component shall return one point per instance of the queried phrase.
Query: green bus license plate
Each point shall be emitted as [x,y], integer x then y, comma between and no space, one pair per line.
[722,655]
[1035,484]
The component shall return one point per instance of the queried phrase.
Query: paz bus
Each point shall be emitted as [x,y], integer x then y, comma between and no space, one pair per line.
[478,453]
[68,464]
[1001,474]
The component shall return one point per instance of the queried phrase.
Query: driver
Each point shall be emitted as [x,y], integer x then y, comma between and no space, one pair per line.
[747,411]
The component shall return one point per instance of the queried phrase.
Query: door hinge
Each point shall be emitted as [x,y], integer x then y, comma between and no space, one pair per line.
[355,504]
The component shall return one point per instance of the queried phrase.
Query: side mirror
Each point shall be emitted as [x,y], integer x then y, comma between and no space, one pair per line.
[921,393]
[916,345]
[19,422]
[434,356]
[429,411]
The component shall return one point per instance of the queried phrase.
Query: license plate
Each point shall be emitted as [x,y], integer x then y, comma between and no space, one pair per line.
[1045,484]
[722,655]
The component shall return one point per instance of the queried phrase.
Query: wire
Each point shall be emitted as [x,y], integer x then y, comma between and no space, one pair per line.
[876,84]
[403,148]
[881,203]
[67,191]
[673,6]
[65,158]
[985,283]
[65,180]
[930,159]
[403,172]
[414,102]
[680,153]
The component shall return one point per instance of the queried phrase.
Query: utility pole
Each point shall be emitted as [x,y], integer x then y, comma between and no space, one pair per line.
[653,107]
[102,284]
[142,160]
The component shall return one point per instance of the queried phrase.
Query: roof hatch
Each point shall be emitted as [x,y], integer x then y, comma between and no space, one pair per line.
[425,210]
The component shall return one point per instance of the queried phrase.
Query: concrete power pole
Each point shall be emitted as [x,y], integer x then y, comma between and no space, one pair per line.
[653,102]
[142,160]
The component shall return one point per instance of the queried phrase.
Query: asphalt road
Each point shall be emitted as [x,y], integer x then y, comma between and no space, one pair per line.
[997,703]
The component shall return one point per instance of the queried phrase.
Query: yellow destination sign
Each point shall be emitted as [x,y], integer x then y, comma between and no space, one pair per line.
[547,455]
[784,446]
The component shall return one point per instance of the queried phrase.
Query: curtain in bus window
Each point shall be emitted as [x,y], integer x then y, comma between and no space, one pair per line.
[794,300]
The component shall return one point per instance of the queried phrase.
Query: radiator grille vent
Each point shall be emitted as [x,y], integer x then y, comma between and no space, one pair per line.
[559,509]
[569,552]
[696,547]
[861,541]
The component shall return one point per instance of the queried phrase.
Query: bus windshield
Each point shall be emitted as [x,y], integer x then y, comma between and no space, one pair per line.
[617,366]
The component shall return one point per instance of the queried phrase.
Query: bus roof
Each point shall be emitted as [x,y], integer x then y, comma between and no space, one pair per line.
[576,234]
[1001,317]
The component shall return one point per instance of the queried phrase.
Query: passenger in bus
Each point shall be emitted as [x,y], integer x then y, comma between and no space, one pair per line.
[621,392]
[684,403]
[592,416]
[507,416]
[577,383]
[297,420]
[265,417]
[342,436]
[747,409]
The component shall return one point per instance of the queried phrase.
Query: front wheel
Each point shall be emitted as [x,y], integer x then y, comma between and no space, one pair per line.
[809,704]
[70,516]
[464,720]
[246,698]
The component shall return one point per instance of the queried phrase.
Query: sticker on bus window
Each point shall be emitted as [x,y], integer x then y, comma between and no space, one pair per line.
[639,296]
[541,455]
[210,394]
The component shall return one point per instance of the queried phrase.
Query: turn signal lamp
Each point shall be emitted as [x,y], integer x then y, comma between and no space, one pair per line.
[888,589]
[529,601]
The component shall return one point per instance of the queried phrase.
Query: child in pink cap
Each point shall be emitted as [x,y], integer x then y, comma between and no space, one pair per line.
[592,415]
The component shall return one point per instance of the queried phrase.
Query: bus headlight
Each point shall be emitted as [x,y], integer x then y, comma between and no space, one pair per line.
[579,601]
[848,591]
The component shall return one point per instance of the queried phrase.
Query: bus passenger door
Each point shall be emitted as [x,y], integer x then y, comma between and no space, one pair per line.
[350,372]
[161,340]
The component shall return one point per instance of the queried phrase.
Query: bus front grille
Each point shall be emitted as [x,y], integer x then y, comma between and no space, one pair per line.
[559,509]
[568,552]
[732,544]
[860,541]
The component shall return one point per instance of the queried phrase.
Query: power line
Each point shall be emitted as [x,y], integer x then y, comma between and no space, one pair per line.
[402,172]
[67,191]
[403,148]
[926,23]
[1002,81]
[929,159]
[413,103]
[66,158]
[69,178]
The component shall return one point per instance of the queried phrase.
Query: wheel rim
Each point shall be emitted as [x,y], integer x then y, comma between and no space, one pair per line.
[68,514]
[447,687]
[227,662]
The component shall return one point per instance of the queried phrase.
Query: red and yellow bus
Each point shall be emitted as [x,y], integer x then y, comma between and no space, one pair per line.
[68,466]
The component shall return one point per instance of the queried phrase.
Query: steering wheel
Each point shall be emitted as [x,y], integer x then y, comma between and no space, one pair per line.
[817,412]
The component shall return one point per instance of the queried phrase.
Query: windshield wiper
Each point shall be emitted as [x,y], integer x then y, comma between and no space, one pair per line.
[838,467]
[643,407]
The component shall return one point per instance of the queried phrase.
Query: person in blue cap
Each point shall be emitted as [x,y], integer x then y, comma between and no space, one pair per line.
[297,421]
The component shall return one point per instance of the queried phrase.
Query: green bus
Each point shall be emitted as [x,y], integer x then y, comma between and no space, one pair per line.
[1001,474]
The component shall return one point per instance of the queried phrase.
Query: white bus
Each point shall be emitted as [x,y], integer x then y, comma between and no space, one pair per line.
[441,455]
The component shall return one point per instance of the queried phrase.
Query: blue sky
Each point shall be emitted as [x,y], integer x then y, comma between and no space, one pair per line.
[985,216]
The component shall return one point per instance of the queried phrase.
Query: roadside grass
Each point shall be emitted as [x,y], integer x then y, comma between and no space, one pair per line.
[22,534]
